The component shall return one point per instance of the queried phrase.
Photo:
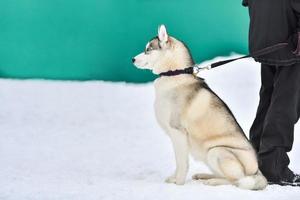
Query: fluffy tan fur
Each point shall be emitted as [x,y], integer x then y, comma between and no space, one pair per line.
[198,121]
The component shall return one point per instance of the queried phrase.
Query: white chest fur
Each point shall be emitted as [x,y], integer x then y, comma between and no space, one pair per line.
[163,106]
[169,100]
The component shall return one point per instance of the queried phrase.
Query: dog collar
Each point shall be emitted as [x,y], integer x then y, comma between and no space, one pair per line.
[189,70]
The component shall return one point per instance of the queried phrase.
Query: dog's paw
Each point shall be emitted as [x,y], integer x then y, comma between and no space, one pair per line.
[202,176]
[208,182]
[172,179]
[215,181]
[197,176]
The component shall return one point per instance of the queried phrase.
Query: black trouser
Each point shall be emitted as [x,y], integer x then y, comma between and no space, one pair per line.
[272,132]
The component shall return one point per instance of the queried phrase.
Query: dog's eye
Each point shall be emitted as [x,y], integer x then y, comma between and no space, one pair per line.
[148,49]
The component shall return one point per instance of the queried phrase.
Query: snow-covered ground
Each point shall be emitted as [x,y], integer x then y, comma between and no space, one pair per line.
[99,140]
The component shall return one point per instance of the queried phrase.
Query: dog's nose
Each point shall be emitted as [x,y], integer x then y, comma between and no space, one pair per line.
[133,60]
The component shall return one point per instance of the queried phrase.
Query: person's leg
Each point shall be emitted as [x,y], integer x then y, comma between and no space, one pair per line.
[267,81]
[278,128]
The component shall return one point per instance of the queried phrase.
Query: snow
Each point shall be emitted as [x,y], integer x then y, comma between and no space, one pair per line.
[99,140]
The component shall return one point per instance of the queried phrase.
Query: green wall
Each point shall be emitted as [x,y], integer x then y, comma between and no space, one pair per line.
[96,39]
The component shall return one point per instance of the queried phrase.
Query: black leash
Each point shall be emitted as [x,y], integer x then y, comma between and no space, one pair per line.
[261,52]
[197,68]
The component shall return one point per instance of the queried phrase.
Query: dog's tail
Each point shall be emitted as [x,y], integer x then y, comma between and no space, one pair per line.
[253,182]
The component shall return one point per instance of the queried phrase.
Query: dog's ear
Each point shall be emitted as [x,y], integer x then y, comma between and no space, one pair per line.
[162,33]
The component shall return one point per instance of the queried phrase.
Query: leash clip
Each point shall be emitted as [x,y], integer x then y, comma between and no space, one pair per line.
[198,69]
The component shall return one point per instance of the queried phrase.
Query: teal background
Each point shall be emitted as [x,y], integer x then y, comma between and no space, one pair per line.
[96,39]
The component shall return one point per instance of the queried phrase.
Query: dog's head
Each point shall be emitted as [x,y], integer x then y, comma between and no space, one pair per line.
[163,53]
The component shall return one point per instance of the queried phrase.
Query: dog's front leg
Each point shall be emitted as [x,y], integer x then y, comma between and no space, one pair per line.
[180,145]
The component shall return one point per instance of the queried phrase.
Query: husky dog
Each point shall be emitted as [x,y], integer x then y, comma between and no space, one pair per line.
[196,119]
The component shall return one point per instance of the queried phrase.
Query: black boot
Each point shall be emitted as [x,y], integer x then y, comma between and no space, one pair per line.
[274,166]
[288,178]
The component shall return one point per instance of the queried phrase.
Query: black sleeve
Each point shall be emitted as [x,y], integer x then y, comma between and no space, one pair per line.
[296,8]
[245,3]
